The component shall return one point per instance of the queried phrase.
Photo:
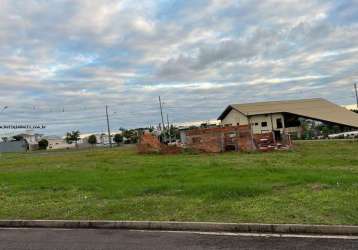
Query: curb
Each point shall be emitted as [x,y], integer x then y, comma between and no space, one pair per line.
[186,226]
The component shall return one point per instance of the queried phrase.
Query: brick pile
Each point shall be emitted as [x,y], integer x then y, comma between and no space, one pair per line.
[265,142]
[149,143]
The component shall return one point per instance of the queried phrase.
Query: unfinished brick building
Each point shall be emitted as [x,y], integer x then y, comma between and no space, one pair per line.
[214,140]
[228,138]
[219,139]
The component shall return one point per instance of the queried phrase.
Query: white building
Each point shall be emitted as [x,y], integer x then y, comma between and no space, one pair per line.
[283,116]
[102,138]
[55,142]
[31,137]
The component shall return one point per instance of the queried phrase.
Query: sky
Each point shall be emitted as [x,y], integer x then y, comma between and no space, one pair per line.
[63,61]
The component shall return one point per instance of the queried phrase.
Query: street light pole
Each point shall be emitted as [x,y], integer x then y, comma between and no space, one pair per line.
[170,136]
[109,130]
[161,114]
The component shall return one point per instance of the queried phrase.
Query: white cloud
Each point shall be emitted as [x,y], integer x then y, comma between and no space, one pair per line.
[85,54]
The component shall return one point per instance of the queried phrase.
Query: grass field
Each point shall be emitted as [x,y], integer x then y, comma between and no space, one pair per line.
[317,183]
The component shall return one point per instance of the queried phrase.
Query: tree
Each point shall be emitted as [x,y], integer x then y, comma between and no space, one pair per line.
[172,133]
[131,136]
[118,138]
[73,136]
[68,138]
[18,137]
[43,144]
[92,139]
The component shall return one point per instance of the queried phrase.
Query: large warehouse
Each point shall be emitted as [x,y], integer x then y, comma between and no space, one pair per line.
[283,116]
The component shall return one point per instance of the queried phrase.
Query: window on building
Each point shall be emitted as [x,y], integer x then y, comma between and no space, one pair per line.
[256,124]
[279,123]
[263,124]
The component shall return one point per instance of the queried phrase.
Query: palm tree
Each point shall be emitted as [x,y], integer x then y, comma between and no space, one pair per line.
[73,136]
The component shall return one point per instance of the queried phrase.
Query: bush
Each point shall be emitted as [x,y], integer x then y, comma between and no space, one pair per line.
[92,139]
[118,138]
[43,144]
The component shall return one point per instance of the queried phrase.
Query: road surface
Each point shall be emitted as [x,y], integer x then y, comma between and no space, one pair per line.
[77,239]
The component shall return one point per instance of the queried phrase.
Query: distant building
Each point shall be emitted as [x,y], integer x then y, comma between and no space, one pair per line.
[31,138]
[56,142]
[283,116]
[102,138]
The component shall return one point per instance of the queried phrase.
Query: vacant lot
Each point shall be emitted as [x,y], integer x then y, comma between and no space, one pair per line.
[317,182]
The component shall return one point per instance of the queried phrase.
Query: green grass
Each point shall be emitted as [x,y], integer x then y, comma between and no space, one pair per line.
[316,183]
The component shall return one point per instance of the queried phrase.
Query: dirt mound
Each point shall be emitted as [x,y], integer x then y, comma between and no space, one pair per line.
[149,143]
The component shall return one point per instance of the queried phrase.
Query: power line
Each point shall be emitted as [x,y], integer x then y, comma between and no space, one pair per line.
[64,108]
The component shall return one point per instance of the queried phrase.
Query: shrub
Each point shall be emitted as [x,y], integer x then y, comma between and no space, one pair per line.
[92,139]
[43,144]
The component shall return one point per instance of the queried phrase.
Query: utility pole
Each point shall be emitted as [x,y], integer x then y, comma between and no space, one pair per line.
[355,89]
[109,130]
[161,113]
[2,110]
[170,136]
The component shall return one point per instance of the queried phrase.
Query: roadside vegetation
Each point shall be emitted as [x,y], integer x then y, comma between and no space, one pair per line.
[317,182]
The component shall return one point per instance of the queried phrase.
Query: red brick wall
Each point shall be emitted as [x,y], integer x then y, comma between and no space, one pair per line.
[214,140]
[199,131]
[208,143]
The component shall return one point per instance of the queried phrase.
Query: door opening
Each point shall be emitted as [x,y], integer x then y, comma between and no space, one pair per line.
[278,136]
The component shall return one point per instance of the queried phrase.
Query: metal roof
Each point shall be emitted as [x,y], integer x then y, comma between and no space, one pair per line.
[316,109]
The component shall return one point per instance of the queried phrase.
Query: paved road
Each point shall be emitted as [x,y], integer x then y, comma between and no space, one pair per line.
[45,239]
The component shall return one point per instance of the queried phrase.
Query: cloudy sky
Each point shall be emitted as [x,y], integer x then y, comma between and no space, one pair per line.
[62,61]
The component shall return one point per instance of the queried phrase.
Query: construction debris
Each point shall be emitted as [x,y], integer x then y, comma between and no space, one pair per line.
[149,143]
